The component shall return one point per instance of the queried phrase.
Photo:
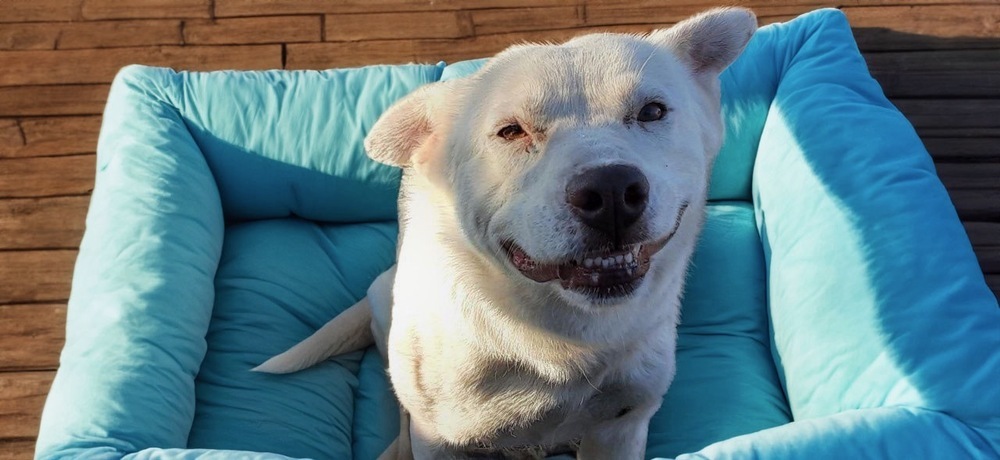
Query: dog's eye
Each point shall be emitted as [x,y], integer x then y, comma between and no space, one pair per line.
[651,112]
[512,132]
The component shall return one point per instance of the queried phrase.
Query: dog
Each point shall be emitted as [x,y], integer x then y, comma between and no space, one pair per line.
[548,210]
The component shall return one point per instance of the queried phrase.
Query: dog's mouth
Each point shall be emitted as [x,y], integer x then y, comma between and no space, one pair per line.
[600,274]
[604,273]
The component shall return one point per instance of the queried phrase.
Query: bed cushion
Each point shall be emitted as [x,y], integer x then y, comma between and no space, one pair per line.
[884,331]
[264,171]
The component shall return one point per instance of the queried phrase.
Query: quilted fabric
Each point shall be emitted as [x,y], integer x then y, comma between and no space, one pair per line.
[834,309]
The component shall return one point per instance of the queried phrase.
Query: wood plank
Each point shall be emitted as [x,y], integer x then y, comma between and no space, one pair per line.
[993,281]
[976,149]
[661,14]
[63,67]
[349,54]
[956,60]
[31,336]
[938,73]
[42,223]
[958,176]
[403,25]
[127,9]
[40,10]
[90,34]
[927,132]
[989,258]
[47,176]
[48,136]
[225,8]
[36,276]
[983,233]
[950,113]
[17,448]
[495,21]
[273,29]
[11,137]
[914,2]
[977,204]
[22,397]
[18,101]
[925,27]
[939,83]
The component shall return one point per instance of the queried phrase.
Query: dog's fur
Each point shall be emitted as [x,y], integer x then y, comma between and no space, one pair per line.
[498,341]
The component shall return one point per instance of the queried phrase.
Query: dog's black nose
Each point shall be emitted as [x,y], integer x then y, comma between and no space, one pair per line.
[609,198]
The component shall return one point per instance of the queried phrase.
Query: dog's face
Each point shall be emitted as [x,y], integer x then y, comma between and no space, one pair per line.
[572,166]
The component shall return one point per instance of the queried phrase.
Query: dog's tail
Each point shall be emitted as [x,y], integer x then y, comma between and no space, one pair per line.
[347,332]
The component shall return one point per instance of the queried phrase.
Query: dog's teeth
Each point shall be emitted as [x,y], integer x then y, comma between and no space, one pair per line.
[606,263]
[588,263]
[619,259]
[629,258]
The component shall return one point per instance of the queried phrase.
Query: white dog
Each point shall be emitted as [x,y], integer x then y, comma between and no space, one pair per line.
[549,207]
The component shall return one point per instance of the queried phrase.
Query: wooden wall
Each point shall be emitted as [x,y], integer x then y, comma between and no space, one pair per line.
[938,60]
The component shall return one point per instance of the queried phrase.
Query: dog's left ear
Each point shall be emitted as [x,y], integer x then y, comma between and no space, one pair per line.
[709,41]
[411,128]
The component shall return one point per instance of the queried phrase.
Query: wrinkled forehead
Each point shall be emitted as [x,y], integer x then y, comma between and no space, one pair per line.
[593,72]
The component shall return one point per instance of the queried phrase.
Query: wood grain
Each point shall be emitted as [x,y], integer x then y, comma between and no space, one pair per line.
[124,9]
[17,101]
[497,21]
[945,149]
[961,176]
[925,27]
[91,34]
[17,448]
[48,136]
[40,223]
[237,31]
[950,113]
[225,8]
[938,73]
[47,176]
[36,276]
[977,205]
[983,233]
[101,65]
[22,396]
[31,336]
[351,54]
[989,258]
[398,26]
[993,281]
[40,10]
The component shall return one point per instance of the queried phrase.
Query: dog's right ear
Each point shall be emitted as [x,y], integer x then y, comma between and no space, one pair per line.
[405,134]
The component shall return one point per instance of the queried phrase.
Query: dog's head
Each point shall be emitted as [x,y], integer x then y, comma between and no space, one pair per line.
[570,167]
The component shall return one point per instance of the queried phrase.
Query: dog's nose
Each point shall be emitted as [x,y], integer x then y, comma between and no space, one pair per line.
[609,198]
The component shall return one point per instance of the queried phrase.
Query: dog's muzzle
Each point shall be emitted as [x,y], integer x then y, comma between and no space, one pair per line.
[602,274]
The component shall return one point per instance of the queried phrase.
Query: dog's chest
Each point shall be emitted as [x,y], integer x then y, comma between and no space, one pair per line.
[514,406]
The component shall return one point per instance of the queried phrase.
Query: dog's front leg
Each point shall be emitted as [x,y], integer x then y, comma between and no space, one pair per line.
[622,437]
[625,439]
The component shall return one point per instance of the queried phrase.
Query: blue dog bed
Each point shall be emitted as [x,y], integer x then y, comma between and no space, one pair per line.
[835,308]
